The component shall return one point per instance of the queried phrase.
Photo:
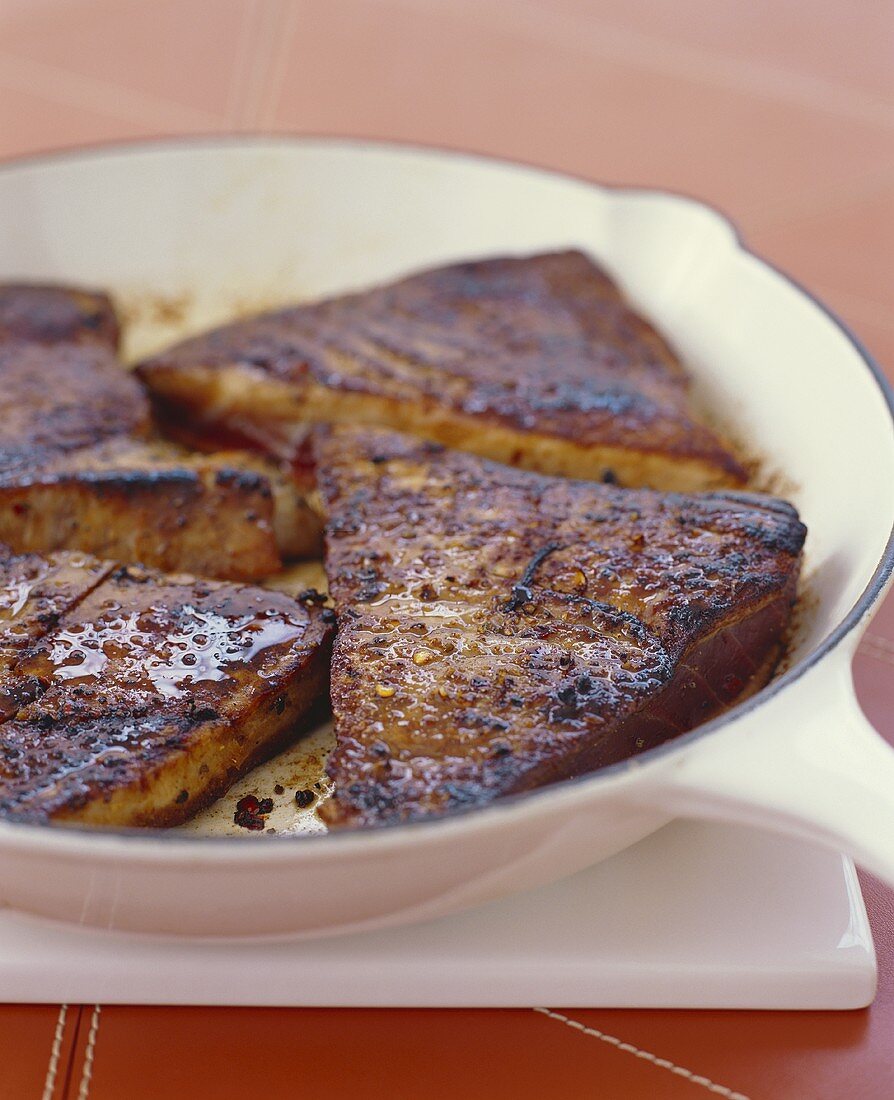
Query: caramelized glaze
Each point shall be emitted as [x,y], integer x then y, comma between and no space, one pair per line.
[35,592]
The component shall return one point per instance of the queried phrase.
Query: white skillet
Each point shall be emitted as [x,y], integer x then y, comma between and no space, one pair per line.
[215,225]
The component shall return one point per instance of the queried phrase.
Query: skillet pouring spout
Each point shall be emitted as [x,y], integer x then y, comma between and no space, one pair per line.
[807,763]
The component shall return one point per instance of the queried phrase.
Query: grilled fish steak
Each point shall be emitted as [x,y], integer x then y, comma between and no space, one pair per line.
[79,470]
[46,314]
[537,362]
[152,694]
[228,514]
[499,629]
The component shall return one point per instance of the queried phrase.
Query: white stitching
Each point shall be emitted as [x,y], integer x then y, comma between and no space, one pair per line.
[87,1070]
[49,1084]
[637,1052]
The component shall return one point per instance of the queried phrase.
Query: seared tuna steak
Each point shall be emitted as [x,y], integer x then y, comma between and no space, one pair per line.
[499,630]
[538,362]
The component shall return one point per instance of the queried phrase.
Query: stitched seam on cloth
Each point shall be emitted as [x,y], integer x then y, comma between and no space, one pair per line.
[49,1084]
[65,1091]
[89,1053]
[644,1055]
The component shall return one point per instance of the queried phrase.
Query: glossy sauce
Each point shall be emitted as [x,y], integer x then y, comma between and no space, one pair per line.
[203,646]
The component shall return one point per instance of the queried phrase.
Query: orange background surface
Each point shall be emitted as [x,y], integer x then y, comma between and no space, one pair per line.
[781,113]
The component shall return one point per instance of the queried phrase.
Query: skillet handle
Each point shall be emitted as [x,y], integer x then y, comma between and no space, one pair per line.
[806,763]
